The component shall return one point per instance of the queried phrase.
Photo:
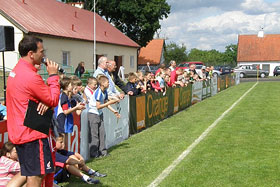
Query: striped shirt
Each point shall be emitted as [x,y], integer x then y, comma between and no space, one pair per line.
[99,96]
[8,169]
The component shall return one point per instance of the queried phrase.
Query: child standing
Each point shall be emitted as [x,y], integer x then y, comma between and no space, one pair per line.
[92,84]
[68,162]
[98,101]
[132,87]
[9,166]
[76,96]
[63,111]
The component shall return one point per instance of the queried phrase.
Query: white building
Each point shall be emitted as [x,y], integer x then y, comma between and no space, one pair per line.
[263,50]
[67,33]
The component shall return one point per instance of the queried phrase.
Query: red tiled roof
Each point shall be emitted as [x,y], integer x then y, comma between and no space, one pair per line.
[54,18]
[151,53]
[251,48]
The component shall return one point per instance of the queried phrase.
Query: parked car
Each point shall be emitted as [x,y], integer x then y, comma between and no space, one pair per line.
[198,70]
[250,71]
[276,71]
[143,69]
[216,72]
[224,69]
[186,65]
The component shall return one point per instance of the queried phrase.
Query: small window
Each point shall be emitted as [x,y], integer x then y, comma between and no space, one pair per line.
[131,61]
[65,58]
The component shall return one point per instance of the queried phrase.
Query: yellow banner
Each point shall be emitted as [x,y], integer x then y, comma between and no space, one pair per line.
[141,111]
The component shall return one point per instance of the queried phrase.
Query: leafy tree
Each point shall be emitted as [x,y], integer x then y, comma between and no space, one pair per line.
[214,57]
[230,54]
[139,20]
[175,52]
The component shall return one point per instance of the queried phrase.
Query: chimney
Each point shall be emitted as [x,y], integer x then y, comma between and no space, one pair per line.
[261,33]
[75,14]
[73,29]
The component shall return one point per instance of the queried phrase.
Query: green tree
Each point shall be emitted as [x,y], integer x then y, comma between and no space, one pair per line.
[214,57]
[197,55]
[139,20]
[230,55]
[175,52]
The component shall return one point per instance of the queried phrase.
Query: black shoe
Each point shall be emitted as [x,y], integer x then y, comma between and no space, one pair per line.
[97,174]
[95,155]
[104,155]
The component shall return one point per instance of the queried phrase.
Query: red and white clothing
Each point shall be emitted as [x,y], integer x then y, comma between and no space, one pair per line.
[173,77]
[8,169]
[25,84]
[89,93]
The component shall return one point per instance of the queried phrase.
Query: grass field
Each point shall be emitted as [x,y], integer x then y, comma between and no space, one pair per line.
[242,150]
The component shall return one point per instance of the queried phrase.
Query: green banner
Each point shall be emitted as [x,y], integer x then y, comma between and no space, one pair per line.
[185,97]
[132,115]
[151,108]
[158,106]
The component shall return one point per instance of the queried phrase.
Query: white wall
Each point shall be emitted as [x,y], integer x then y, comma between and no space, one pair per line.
[115,50]
[79,50]
[11,57]
[83,51]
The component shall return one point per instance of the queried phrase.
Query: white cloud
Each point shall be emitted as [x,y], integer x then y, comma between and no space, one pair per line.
[212,25]
[256,7]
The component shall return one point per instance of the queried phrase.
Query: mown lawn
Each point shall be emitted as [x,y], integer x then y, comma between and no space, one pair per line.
[218,161]
[243,150]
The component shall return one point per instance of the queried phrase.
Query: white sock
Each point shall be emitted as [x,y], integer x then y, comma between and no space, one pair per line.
[85,177]
[91,171]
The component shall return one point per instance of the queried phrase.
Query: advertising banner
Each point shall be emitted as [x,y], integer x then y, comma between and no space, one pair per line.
[117,130]
[228,76]
[214,85]
[75,136]
[222,83]
[158,106]
[3,132]
[133,113]
[237,78]
[176,100]
[185,97]
[206,90]
[196,92]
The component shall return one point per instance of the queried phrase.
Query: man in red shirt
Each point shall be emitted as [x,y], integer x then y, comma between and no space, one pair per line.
[24,85]
[173,77]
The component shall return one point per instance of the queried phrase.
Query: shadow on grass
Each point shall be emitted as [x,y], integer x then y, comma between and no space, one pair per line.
[80,184]
[119,146]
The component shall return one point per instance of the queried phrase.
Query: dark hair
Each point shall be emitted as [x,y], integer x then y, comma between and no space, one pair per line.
[80,64]
[76,81]
[131,76]
[91,79]
[7,147]
[28,43]
[162,66]
[64,82]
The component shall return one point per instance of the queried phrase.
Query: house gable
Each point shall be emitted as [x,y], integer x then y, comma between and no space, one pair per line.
[252,48]
[152,53]
[50,17]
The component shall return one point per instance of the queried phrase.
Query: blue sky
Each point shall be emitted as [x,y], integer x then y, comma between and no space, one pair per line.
[214,24]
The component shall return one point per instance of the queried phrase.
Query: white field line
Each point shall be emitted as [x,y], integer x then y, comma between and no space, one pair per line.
[169,169]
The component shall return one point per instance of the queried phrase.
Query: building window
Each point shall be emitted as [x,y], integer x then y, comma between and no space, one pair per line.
[131,61]
[65,58]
